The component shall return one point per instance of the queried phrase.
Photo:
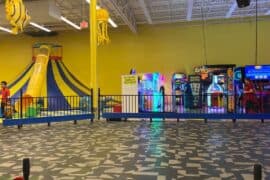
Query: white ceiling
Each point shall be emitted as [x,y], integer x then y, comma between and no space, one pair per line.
[133,12]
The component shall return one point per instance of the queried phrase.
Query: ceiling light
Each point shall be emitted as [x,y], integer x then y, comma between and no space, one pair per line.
[233,7]
[112,23]
[6,30]
[70,23]
[190,8]
[40,27]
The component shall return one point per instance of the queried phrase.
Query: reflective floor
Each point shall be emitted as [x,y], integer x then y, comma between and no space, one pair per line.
[137,150]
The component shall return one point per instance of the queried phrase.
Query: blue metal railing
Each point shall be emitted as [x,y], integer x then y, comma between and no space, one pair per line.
[206,106]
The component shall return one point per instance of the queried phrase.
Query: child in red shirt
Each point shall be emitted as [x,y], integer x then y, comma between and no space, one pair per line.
[250,101]
[5,95]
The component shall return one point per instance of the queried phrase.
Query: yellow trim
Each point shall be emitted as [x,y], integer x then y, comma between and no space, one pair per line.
[44,91]
[21,83]
[64,88]
[81,88]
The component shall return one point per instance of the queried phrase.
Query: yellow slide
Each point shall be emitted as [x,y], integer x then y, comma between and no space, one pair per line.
[37,78]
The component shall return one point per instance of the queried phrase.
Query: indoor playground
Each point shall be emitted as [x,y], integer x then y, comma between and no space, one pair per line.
[134,89]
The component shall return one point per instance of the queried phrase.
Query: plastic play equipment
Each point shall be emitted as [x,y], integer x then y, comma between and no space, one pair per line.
[85,103]
[46,83]
[17,15]
[36,81]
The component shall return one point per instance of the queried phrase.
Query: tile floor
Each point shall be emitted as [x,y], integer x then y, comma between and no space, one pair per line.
[137,150]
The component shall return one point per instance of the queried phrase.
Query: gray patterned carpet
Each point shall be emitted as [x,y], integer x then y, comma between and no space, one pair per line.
[137,150]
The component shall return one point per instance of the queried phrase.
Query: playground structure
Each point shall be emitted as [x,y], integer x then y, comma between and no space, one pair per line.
[47,87]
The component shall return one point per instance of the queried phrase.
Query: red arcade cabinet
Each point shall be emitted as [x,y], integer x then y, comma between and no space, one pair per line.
[260,76]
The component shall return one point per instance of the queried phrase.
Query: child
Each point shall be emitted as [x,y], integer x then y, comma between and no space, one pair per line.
[5,95]
[249,99]
[8,110]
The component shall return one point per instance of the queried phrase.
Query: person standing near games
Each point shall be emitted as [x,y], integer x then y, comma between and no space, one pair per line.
[5,96]
[249,99]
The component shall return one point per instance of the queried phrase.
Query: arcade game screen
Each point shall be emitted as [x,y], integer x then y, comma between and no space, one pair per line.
[258,72]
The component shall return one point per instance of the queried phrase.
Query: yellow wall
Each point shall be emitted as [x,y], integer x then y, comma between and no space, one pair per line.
[162,48]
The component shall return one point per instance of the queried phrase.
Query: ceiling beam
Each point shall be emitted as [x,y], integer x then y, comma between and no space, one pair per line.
[124,10]
[146,11]
[189,9]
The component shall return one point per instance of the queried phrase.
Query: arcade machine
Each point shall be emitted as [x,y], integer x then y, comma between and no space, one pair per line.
[238,78]
[214,94]
[260,76]
[151,92]
[195,83]
[221,75]
[178,87]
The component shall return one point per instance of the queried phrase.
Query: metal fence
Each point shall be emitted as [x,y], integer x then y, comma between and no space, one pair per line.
[26,107]
[188,105]
[27,110]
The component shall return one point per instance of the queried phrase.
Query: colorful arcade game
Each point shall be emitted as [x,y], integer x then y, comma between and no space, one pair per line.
[215,94]
[260,76]
[196,88]
[178,88]
[221,75]
[238,78]
[151,92]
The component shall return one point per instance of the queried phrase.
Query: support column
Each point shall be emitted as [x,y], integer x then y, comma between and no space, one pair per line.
[93,51]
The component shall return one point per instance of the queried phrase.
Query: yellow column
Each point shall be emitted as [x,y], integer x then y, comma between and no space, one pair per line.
[93,50]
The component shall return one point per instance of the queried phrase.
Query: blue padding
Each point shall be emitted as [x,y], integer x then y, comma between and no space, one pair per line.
[56,99]
[186,116]
[74,78]
[67,81]
[14,122]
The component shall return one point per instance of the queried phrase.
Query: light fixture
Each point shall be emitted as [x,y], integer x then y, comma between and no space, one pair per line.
[40,27]
[112,23]
[70,23]
[189,10]
[233,7]
[6,30]
[268,12]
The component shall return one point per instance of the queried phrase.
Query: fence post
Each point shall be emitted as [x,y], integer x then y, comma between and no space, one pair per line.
[257,172]
[99,104]
[26,168]
[21,109]
[92,102]
[21,101]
